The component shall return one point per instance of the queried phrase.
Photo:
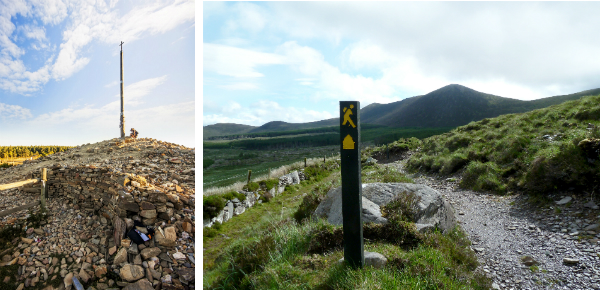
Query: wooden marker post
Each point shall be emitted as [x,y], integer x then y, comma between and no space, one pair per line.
[304,161]
[249,174]
[351,183]
[43,190]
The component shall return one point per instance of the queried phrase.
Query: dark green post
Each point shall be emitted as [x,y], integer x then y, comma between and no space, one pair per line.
[351,183]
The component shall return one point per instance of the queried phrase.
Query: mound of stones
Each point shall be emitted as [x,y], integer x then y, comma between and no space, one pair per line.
[431,211]
[93,206]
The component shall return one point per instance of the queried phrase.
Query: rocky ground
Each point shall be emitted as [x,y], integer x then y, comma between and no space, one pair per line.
[525,246]
[72,242]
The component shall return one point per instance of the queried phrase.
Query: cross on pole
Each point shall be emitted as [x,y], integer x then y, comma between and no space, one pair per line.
[122,121]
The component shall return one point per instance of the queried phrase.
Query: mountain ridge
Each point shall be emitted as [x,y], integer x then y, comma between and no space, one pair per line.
[449,106]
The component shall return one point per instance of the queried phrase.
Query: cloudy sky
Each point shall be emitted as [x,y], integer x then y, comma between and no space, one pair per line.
[59,70]
[294,61]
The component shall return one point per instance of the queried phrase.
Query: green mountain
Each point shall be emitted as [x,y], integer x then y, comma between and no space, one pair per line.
[543,151]
[454,105]
[284,126]
[450,106]
[222,129]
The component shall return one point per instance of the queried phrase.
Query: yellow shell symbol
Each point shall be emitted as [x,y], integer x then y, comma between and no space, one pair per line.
[348,143]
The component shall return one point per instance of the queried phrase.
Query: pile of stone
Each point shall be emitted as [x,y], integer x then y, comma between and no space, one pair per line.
[95,193]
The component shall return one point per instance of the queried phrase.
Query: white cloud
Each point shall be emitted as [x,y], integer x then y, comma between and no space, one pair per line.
[535,47]
[49,11]
[33,32]
[87,21]
[240,86]
[261,112]
[14,112]
[112,84]
[248,16]
[134,92]
[88,113]
[333,83]
[113,3]
[236,62]
[152,19]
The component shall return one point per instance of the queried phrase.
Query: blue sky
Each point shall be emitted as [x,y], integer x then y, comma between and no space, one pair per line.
[294,61]
[59,70]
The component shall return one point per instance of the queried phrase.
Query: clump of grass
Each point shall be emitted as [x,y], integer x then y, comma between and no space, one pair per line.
[212,205]
[309,204]
[268,184]
[234,194]
[483,177]
[252,186]
[380,173]
[266,197]
[541,151]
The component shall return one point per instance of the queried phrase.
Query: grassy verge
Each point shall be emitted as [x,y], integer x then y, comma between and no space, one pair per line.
[538,152]
[278,246]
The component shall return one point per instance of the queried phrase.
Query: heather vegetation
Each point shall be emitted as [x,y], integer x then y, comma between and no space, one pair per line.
[538,152]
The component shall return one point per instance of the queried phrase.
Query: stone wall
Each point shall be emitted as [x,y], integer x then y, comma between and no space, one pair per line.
[236,207]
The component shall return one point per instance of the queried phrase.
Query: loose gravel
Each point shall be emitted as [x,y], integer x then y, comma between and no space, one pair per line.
[525,246]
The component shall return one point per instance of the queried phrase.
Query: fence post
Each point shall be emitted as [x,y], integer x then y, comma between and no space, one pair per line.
[304,161]
[249,174]
[43,190]
[388,151]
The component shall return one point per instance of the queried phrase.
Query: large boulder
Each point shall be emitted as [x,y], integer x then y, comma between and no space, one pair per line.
[432,211]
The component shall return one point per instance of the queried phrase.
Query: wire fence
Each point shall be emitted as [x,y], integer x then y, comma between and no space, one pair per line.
[270,173]
[235,176]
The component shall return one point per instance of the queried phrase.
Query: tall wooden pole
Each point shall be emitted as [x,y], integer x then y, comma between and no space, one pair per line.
[122,124]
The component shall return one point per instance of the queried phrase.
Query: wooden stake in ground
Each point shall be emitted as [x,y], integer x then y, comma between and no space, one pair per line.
[43,190]
[351,183]
[249,174]
[122,123]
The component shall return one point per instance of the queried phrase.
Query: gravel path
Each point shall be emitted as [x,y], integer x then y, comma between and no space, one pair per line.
[561,248]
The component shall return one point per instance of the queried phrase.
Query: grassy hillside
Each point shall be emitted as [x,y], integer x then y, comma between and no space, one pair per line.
[275,245]
[284,126]
[541,151]
[454,105]
[328,136]
[225,129]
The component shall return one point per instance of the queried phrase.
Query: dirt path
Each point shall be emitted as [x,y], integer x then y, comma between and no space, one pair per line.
[504,230]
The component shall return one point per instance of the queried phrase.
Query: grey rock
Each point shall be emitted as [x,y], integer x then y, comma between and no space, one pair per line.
[591,205]
[148,253]
[564,200]
[373,259]
[142,284]
[239,210]
[570,261]
[591,227]
[132,273]
[121,256]
[431,209]
[528,261]
[133,249]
